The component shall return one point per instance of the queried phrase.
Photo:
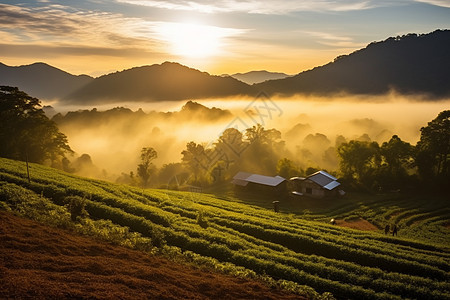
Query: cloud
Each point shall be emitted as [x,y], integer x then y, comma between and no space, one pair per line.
[52,50]
[257,7]
[333,40]
[442,3]
[57,24]
[327,36]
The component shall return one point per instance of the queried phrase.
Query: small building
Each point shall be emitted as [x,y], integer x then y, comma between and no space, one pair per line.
[259,183]
[317,185]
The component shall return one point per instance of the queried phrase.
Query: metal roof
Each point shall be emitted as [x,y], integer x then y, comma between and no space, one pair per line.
[241,177]
[324,174]
[324,179]
[239,182]
[332,185]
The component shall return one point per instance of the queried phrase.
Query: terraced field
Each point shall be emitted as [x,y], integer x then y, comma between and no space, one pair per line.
[301,252]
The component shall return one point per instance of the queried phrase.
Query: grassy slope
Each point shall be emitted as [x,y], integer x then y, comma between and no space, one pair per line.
[249,240]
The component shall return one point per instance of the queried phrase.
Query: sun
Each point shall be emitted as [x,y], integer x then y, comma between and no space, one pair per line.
[193,40]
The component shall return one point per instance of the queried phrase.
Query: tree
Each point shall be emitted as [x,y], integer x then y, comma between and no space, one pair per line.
[229,148]
[145,167]
[25,131]
[194,158]
[397,159]
[264,150]
[231,143]
[433,148]
[359,160]
[287,169]
[258,135]
[397,154]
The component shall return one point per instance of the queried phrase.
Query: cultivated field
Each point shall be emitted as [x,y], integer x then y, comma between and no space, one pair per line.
[299,252]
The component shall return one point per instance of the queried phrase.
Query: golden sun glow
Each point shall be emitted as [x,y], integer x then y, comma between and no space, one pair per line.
[193,40]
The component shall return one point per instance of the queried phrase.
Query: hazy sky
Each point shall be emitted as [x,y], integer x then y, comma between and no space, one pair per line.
[225,36]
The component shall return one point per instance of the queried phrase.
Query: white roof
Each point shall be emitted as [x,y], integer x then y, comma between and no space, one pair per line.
[242,177]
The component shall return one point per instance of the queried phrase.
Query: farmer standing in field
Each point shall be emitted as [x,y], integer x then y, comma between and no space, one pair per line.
[394,230]
[386,229]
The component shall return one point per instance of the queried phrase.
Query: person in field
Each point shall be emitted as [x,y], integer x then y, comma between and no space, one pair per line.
[386,229]
[394,230]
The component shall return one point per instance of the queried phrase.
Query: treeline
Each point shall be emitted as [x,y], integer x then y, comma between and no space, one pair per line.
[27,134]
[363,164]
[256,149]
[397,164]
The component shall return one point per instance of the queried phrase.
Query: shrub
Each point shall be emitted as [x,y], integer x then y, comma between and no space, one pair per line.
[76,206]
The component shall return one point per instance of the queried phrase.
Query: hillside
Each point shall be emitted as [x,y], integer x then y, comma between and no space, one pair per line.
[41,80]
[167,81]
[411,64]
[38,261]
[94,118]
[230,235]
[258,76]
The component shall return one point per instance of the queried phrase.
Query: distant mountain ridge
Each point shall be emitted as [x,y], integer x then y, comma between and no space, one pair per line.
[253,77]
[42,80]
[411,64]
[167,81]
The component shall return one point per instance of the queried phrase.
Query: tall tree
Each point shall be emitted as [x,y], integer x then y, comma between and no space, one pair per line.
[145,167]
[397,154]
[433,148]
[25,131]
[230,149]
[264,150]
[194,158]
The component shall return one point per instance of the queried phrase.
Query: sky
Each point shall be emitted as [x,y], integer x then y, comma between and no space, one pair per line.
[97,37]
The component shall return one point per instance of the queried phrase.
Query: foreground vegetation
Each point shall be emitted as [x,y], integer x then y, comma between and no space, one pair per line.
[307,256]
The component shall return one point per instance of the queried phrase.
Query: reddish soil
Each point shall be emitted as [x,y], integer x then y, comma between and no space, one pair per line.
[360,224]
[38,262]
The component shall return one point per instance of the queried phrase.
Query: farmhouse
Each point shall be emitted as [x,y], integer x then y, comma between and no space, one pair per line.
[254,182]
[317,185]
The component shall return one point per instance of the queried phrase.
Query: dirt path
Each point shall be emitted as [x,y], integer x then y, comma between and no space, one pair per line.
[360,224]
[38,262]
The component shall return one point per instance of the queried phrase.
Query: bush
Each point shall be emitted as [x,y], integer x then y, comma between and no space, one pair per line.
[76,206]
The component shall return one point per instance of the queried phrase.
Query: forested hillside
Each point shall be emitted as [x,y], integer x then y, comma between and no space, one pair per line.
[409,64]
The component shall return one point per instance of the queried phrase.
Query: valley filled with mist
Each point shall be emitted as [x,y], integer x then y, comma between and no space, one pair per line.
[309,130]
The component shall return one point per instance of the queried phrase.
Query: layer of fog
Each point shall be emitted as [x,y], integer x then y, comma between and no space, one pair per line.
[307,124]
